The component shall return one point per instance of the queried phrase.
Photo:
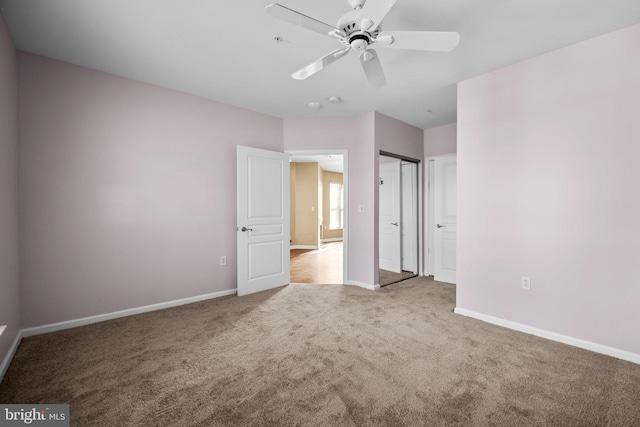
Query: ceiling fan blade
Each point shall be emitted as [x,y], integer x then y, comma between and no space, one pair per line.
[442,41]
[373,12]
[319,64]
[297,18]
[372,68]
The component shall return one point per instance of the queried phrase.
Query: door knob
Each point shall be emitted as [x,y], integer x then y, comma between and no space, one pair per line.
[440,225]
[246,229]
[394,223]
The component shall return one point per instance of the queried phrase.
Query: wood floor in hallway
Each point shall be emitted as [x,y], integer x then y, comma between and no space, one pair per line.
[323,265]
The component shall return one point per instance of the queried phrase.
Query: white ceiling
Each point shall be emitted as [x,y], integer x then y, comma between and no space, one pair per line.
[224,50]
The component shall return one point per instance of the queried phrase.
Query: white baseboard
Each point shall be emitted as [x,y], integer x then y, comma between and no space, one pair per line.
[565,339]
[9,357]
[362,285]
[304,247]
[333,239]
[123,313]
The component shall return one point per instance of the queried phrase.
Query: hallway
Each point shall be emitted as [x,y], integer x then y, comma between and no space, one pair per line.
[321,266]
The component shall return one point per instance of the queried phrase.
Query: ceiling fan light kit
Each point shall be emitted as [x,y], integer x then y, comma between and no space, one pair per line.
[358,30]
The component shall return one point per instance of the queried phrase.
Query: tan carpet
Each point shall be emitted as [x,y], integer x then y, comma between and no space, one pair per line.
[320,355]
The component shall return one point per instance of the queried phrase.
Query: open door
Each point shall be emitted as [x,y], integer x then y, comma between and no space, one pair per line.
[445,218]
[263,220]
[389,217]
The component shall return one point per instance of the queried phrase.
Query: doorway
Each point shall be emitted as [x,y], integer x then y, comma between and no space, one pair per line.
[319,201]
[398,214]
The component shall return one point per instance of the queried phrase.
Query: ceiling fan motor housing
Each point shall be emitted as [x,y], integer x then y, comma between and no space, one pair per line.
[349,26]
[359,42]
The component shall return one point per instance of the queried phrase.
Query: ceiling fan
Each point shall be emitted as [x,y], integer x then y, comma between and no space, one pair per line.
[359,30]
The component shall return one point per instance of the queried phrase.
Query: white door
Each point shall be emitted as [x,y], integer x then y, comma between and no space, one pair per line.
[263,220]
[389,217]
[445,219]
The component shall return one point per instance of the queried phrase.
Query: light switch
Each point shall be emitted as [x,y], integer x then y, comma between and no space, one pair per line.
[360,208]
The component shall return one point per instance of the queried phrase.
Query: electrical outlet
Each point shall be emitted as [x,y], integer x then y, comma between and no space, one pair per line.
[526,283]
[223,260]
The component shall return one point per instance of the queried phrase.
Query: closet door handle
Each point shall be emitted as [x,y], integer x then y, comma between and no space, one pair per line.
[440,225]
[246,229]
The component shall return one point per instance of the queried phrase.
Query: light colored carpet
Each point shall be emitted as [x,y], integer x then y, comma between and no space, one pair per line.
[320,355]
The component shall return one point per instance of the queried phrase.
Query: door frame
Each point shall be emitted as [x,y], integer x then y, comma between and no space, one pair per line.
[421,206]
[345,200]
[429,204]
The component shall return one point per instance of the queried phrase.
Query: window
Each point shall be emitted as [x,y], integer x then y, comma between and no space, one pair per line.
[335,205]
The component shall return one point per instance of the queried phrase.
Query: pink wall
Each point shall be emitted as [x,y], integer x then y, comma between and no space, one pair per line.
[127,191]
[440,140]
[9,290]
[357,136]
[398,137]
[548,187]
